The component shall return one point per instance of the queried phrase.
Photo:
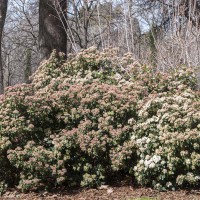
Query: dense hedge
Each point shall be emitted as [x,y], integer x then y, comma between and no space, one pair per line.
[84,120]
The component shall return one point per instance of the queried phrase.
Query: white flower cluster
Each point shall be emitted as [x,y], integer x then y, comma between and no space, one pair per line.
[167,138]
[149,162]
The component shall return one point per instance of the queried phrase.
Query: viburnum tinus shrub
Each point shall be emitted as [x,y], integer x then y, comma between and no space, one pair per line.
[89,63]
[90,125]
[80,121]
[37,166]
[157,81]
[167,137]
[14,127]
[71,126]
[99,114]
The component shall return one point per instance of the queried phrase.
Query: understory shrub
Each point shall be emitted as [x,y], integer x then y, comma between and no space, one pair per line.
[96,115]
[168,140]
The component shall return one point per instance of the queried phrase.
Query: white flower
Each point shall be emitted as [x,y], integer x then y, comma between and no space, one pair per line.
[118,76]
[135,168]
[168,184]
[162,162]
[133,137]
[152,165]
[156,158]
[188,161]
[164,171]
[148,140]
[130,121]
[157,185]
[139,141]
[141,162]
[147,157]
[147,163]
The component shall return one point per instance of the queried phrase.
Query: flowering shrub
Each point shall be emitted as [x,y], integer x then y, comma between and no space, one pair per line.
[167,137]
[83,120]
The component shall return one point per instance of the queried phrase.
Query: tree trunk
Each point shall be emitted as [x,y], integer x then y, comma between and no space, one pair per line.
[3,10]
[27,71]
[152,44]
[188,7]
[52,33]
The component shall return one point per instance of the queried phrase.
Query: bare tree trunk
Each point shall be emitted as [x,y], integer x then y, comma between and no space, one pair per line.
[27,71]
[191,7]
[3,10]
[52,34]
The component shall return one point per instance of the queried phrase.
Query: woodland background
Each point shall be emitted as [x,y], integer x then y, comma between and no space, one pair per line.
[162,33]
[97,91]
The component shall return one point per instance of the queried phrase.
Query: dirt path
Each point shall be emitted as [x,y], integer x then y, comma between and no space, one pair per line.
[107,193]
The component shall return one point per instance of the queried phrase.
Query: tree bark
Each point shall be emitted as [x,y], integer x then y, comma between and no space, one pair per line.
[190,6]
[3,11]
[52,32]
[27,71]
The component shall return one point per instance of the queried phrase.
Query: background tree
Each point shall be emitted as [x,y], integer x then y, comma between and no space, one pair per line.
[52,33]
[20,35]
[122,24]
[3,10]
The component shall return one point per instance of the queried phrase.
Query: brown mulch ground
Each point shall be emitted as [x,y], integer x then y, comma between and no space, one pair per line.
[107,193]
